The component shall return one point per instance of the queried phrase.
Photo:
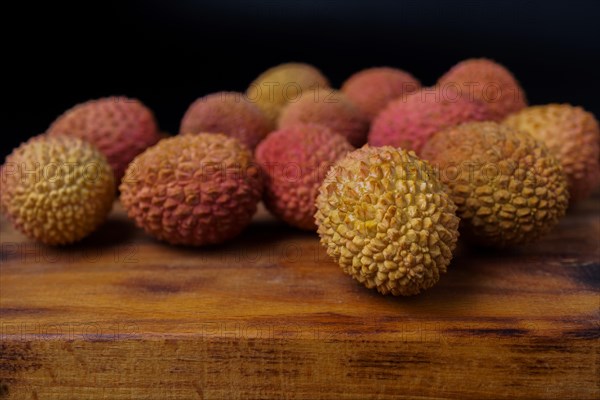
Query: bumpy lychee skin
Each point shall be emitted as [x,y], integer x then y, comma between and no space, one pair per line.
[387,221]
[329,108]
[56,190]
[572,135]
[121,128]
[193,189]
[295,161]
[408,122]
[229,113]
[275,88]
[489,82]
[508,187]
[373,88]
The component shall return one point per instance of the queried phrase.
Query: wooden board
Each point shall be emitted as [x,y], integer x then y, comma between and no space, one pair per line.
[269,316]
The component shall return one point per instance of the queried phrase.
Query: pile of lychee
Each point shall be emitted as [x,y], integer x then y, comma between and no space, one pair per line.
[386,171]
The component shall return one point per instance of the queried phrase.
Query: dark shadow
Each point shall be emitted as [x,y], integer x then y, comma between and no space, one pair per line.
[471,266]
[115,231]
[258,233]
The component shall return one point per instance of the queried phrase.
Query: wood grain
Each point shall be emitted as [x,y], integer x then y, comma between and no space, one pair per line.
[269,316]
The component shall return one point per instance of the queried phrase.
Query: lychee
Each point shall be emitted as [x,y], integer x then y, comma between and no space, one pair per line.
[408,122]
[489,82]
[56,189]
[193,189]
[278,86]
[373,88]
[508,187]
[387,220]
[120,127]
[229,113]
[329,108]
[572,135]
[295,160]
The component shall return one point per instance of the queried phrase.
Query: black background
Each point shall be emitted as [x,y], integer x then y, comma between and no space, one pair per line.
[168,53]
